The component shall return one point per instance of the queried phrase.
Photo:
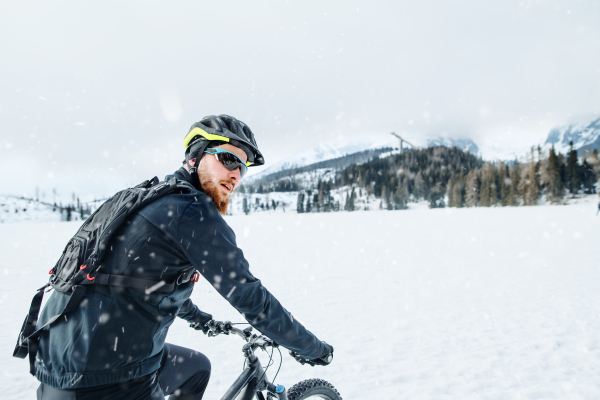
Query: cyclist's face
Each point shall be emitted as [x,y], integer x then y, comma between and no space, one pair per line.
[217,181]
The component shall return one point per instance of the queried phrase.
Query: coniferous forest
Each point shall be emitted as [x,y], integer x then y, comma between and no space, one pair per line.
[443,175]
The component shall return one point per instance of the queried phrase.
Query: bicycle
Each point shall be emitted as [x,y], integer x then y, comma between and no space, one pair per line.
[252,382]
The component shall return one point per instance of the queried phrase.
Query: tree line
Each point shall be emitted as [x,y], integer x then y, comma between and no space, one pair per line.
[395,180]
[553,175]
[439,173]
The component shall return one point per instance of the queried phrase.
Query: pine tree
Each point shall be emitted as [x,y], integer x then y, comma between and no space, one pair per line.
[450,188]
[504,182]
[589,177]
[436,196]
[245,207]
[402,194]
[573,171]
[472,188]
[321,196]
[383,197]
[328,199]
[349,205]
[494,185]
[513,193]
[533,187]
[554,186]
[485,192]
[459,192]
[300,203]
[595,161]
[419,186]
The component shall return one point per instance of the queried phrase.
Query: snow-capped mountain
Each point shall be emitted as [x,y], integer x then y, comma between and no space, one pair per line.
[583,135]
[323,152]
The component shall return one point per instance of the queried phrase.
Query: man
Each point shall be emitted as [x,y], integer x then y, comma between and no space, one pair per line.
[113,345]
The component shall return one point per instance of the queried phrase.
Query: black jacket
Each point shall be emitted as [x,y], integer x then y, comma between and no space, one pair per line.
[118,334]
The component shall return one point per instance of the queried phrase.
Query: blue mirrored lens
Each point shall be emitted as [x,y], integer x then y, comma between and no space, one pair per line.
[229,160]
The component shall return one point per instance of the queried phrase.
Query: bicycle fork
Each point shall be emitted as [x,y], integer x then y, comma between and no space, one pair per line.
[253,381]
[277,392]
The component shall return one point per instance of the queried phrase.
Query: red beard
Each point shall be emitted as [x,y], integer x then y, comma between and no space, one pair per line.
[215,195]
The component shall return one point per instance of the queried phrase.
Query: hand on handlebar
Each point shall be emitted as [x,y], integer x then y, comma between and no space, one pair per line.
[324,359]
[215,328]
[202,321]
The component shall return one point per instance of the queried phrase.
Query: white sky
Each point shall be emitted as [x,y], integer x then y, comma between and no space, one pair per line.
[87,90]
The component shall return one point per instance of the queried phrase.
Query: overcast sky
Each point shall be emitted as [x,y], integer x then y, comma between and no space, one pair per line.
[99,95]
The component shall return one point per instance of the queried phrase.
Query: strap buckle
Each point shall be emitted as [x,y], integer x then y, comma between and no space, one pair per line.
[188,276]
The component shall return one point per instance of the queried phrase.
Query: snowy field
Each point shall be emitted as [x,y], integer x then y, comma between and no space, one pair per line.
[484,303]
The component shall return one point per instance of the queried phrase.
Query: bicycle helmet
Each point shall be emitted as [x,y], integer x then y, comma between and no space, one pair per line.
[215,130]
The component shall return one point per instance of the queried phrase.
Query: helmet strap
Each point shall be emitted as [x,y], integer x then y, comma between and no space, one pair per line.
[195,151]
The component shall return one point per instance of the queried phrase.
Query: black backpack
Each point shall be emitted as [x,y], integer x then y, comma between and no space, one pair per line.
[79,265]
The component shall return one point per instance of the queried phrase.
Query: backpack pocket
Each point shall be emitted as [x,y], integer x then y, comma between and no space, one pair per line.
[68,265]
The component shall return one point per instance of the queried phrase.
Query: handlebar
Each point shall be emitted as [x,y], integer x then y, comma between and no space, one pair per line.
[215,328]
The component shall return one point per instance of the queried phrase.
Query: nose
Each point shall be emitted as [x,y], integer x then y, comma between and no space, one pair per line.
[235,175]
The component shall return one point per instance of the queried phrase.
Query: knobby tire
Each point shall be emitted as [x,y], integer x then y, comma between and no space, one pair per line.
[313,389]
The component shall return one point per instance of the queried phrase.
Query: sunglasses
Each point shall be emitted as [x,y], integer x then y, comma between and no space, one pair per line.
[229,160]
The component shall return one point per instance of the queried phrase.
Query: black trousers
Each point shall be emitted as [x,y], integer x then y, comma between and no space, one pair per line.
[183,374]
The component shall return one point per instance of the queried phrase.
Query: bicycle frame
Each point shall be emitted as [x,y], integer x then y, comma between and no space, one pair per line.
[253,379]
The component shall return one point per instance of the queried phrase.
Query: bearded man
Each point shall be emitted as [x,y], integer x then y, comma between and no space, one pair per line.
[112,346]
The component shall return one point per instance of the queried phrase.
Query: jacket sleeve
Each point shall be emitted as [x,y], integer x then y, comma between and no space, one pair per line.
[209,244]
[192,314]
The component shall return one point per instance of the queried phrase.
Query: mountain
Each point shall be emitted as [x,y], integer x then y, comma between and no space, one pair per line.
[464,144]
[320,153]
[368,149]
[584,135]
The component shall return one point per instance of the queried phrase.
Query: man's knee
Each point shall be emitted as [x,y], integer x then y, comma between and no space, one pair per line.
[185,373]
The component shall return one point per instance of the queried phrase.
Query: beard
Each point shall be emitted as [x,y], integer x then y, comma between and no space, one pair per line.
[215,196]
[212,190]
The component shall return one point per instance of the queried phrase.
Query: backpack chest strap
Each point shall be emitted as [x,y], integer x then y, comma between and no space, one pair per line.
[146,285]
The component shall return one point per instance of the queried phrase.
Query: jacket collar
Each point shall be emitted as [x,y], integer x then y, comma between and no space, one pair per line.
[182,175]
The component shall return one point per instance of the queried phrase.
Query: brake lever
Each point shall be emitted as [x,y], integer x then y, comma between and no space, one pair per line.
[301,359]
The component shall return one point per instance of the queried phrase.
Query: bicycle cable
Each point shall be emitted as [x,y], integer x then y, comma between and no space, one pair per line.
[271,362]
[268,364]
[280,362]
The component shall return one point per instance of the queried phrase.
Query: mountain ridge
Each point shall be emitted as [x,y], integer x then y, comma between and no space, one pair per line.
[584,135]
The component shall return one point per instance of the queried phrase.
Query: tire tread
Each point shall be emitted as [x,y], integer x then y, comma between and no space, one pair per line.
[297,391]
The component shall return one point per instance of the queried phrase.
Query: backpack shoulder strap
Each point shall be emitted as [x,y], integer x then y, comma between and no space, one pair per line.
[28,341]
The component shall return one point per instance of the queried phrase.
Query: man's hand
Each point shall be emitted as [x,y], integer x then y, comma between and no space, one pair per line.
[202,321]
[215,328]
[324,359]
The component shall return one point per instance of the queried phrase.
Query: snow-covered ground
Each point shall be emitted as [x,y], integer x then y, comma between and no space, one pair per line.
[481,303]
[19,209]
[14,209]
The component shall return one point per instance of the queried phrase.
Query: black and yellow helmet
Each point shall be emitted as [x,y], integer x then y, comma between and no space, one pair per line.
[214,131]
[224,129]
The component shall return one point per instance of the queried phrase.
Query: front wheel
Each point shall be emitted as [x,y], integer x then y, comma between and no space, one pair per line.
[313,389]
